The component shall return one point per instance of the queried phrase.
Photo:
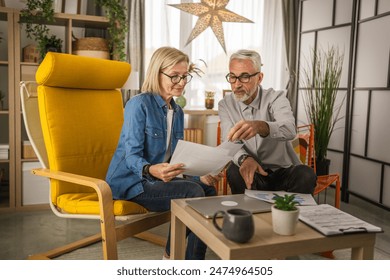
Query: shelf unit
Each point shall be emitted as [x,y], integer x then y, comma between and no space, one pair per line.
[196,118]
[16,39]
[11,120]
[7,117]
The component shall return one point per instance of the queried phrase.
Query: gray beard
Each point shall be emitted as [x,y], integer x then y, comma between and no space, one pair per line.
[242,98]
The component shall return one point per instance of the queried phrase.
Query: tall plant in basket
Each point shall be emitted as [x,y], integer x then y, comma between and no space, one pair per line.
[320,80]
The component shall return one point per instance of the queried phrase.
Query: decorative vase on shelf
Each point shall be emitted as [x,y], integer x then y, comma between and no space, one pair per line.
[181,101]
[209,99]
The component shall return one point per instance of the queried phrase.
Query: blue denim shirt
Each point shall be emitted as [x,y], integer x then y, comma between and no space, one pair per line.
[142,141]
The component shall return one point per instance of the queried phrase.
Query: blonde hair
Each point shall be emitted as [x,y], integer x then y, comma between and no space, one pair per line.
[162,58]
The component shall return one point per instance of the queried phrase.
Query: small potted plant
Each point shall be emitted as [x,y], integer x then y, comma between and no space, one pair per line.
[285,214]
[50,44]
[194,69]
[35,16]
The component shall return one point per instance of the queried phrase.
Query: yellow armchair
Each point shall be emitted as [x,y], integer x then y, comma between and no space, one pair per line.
[81,115]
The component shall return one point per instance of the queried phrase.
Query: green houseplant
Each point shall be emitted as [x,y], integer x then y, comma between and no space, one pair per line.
[286,202]
[35,16]
[284,214]
[118,26]
[321,79]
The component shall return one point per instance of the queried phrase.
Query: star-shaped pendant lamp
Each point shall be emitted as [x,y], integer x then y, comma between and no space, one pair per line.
[211,13]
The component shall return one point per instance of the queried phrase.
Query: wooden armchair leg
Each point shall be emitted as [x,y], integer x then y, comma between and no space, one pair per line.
[67,248]
[337,196]
[152,238]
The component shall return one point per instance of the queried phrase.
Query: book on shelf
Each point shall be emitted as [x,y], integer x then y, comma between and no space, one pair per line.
[193,135]
[4,151]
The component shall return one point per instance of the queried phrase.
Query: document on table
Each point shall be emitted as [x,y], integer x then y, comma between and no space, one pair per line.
[332,221]
[301,198]
[200,159]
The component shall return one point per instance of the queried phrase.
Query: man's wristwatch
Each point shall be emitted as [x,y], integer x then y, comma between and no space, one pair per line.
[145,170]
[242,158]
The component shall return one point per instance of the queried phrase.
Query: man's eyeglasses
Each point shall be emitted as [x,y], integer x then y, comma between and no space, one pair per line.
[244,78]
[177,78]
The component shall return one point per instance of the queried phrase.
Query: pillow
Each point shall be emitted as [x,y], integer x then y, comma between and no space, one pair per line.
[301,144]
[73,71]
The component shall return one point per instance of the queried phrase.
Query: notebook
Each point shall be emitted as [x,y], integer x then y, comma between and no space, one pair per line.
[332,221]
[210,205]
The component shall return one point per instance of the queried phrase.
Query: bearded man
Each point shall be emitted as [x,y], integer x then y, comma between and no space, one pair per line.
[264,121]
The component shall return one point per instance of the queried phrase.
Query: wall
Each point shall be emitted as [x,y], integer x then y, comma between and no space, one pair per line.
[358,148]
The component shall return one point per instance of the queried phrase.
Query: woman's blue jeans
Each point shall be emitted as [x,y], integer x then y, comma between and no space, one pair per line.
[157,197]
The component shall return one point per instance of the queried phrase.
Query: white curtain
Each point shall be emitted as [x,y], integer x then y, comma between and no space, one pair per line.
[273,48]
[135,43]
[168,26]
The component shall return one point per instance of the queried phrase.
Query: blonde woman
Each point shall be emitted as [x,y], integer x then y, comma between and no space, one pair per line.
[140,169]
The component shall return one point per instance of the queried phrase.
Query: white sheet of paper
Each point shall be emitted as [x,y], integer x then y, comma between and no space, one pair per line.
[231,147]
[301,198]
[200,159]
[332,221]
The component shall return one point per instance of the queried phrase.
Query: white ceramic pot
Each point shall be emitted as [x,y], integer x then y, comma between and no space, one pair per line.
[284,222]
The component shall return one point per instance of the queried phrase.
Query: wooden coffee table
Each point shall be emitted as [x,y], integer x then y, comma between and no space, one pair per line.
[265,244]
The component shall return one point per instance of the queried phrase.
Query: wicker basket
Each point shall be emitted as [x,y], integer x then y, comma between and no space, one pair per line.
[92,47]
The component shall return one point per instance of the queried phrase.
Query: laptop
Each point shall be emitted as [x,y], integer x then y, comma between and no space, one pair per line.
[210,205]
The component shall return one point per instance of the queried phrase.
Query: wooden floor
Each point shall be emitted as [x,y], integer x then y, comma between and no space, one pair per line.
[26,233]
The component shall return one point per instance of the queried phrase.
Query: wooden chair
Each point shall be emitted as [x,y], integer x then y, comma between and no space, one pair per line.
[29,102]
[81,115]
[223,184]
[306,150]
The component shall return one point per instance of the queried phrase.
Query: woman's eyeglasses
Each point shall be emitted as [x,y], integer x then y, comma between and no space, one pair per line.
[177,78]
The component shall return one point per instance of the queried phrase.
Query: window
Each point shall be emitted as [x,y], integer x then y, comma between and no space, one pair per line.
[169,26]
